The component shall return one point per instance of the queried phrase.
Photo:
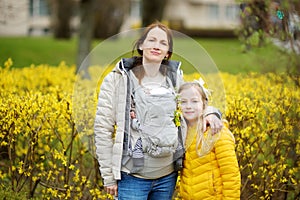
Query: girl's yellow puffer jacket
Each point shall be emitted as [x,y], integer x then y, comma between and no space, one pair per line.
[213,176]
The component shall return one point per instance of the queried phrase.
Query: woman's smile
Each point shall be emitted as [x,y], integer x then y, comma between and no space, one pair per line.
[156,53]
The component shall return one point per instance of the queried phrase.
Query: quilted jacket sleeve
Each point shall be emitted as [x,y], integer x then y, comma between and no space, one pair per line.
[104,128]
[227,161]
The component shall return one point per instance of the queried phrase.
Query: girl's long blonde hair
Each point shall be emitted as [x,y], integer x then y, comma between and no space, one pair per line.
[204,141]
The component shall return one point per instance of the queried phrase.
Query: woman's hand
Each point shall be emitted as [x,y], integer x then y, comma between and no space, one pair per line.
[214,122]
[113,190]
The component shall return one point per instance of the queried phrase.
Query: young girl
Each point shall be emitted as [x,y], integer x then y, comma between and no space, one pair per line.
[211,169]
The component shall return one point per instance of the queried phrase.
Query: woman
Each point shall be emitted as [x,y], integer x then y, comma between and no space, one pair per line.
[135,133]
[211,168]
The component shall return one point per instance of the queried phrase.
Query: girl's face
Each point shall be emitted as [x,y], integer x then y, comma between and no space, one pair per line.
[155,46]
[191,104]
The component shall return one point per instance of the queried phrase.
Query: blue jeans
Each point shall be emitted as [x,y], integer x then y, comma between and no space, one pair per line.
[133,188]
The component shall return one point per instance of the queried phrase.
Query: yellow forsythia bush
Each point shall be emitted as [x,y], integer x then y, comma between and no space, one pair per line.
[264,114]
[46,138]
[41,150]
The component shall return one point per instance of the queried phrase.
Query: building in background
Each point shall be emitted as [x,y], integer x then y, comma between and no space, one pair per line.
[196,17]
[203,17]
[39,17]
[24,17]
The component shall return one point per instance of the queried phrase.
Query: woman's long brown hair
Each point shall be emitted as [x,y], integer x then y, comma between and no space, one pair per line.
[137,65]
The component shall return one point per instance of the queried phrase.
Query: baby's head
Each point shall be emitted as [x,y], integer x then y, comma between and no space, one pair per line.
[194,100]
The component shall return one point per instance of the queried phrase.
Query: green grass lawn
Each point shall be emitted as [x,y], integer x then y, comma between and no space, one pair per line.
[229,57]
[226,53]
[25,51]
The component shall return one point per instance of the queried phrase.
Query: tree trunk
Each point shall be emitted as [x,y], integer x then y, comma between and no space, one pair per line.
[61,12]
[109,18]
[152,10]
[85,35]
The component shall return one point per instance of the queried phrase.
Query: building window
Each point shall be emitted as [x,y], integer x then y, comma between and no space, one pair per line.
[213,11]
[232,12]
[39,8]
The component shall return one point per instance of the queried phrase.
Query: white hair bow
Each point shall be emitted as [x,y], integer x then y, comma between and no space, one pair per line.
[206,91]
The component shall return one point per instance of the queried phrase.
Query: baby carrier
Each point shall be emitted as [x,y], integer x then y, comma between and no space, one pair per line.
[154,109]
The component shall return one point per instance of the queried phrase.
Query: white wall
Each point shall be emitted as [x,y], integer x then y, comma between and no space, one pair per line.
[203,14]
[14,17]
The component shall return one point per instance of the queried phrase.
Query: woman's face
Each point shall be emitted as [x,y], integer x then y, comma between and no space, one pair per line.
[155,46]
[191,104]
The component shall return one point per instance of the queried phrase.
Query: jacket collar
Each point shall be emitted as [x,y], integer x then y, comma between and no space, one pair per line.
[126,64]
